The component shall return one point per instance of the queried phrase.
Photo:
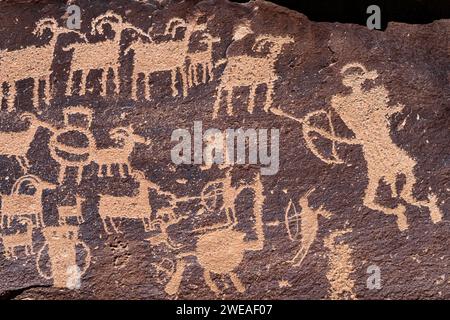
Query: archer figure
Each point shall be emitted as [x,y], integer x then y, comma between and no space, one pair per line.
[366,113]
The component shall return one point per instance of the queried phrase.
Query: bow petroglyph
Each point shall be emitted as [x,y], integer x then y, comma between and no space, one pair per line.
[114,185]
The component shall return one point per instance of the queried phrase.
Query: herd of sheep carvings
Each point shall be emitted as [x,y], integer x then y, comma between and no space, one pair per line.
[23,206]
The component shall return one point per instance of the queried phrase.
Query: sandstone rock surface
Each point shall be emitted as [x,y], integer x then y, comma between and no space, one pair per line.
[94,206]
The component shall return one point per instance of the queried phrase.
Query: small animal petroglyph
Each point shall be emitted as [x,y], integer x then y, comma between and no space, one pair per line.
[137,207]
[118,155]
[19,204]
[17,144]
[249,71]
[169,55]
[103,55]
[202,59]
[65,212]
[19,239]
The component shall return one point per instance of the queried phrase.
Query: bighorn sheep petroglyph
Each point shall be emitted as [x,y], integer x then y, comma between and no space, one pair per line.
[251,72]
[17,144]
[165,56]
[136,207]
[201,59]
[31,62]
[65,212]
[101,55]
[19,239]
[118,155]
[18,204]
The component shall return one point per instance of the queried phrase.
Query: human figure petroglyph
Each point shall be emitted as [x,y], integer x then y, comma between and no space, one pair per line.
[103,55]
[306,224]
[31,62]
[173,58]
[74,211]
[250,71]
[202,59]
[19,204]
[19,239]
[366,113]
[221,250]
[118,155]
[61,246]
[17,144]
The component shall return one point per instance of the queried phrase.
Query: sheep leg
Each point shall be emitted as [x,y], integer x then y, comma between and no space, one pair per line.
[205,72]
[251,98]
[269,97]
[230,102]
[183,82]
[173,74]
[117,82]
[11,97]
[47,90]
[217,103]
[104,86]
[83,83]
[69,84]
[36,93]
[105,226]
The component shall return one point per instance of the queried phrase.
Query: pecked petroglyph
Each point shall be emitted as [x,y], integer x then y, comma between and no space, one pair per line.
[95,168]
[219,248]
[340,267]
[249,71]
[104,55]
[61,249]
[366,113]
[303,225]
[18,204]
[31,62]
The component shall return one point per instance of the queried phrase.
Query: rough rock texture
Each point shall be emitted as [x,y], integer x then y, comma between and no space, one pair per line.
[93,206]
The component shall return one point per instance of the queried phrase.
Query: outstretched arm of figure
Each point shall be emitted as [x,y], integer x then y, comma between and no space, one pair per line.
[398,108]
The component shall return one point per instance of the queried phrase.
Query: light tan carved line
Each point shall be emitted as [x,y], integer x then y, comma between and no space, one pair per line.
[340,266]
[165,56]
[222,251]
[60,243]
[366,113]
[247,71]
[31,62]
[306,224]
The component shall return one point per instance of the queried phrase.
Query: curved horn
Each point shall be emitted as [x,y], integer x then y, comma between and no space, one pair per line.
[30,178]
[260,42]
[43,24]
[173,24]
[354,65]
[27,116]
[98,23]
